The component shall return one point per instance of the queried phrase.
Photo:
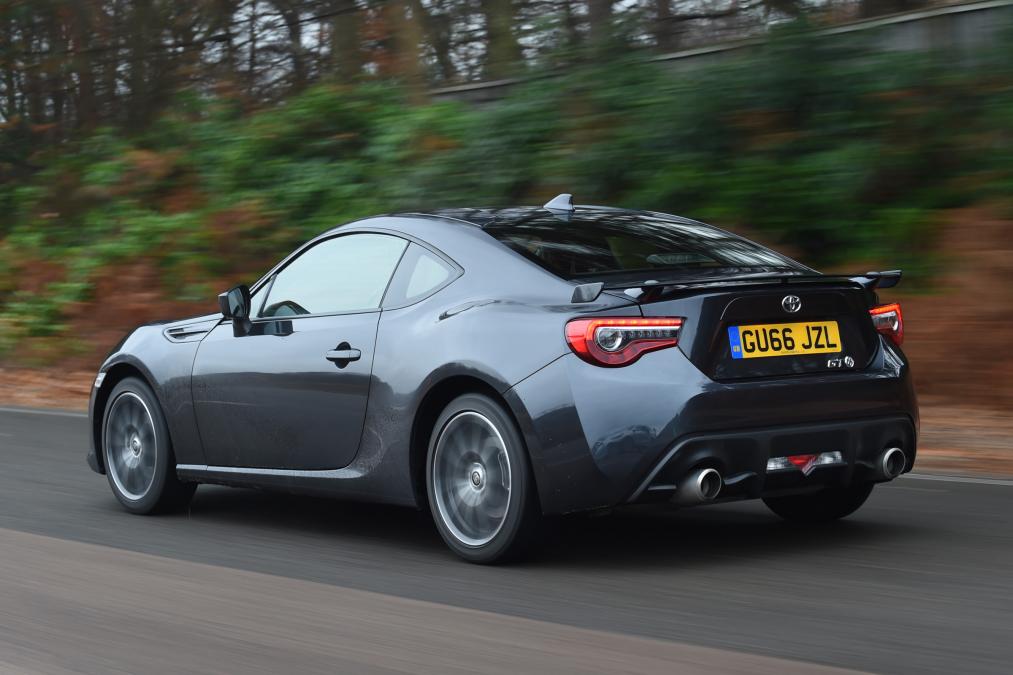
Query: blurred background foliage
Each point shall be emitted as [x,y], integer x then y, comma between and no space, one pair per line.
[195,169]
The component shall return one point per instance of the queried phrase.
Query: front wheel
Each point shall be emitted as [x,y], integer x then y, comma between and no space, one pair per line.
[138,454]
[828,504]
[481,491]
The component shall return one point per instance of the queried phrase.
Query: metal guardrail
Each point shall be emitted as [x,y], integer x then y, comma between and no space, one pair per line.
[961,27]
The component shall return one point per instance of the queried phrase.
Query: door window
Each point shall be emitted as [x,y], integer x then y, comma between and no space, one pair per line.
[344,274]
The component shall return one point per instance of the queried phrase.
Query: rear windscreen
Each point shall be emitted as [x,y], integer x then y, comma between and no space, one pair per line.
[605,243]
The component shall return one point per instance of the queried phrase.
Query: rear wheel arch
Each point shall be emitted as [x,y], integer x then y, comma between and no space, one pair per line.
[114,375]
[436,399]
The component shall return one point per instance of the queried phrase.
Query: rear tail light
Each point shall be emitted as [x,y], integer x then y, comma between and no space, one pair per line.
[888,320]
[619,341]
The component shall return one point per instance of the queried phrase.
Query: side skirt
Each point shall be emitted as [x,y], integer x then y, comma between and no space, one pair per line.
[346,483]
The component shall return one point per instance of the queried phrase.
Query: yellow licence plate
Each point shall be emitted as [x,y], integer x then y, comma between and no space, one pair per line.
[784,339]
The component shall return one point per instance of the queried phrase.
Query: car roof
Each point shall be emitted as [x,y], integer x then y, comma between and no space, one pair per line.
[516,215]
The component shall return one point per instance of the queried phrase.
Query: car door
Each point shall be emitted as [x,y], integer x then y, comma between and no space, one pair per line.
[291,391]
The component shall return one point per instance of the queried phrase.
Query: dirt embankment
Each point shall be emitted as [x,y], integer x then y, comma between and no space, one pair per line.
[958,338]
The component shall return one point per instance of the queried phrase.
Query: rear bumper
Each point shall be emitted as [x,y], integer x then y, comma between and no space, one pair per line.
[598,437]
[741,457]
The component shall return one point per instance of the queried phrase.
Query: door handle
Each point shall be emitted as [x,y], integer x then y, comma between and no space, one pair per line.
[345,354]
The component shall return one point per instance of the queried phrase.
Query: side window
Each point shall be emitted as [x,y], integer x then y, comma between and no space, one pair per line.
[344,274]
[420,273]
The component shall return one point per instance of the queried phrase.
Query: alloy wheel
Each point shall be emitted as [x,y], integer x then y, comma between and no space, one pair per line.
[472,478]
[130,445]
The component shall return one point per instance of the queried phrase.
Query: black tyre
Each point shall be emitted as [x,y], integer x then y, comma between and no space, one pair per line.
[820,507]
[137,452]
[478,477]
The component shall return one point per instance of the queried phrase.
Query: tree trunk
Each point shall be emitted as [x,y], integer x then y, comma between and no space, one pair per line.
[599,19]
[82,25]
[251,69]
[438,33]
[56,81]
[10,66]
[291,16]
[110,37]
[220,28]
[502,50]
[346,47]
[139,44]
[570,24]
[664,33]
[32,81]
[405,38]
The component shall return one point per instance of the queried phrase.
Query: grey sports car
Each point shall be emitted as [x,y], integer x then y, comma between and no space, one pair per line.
[499,365]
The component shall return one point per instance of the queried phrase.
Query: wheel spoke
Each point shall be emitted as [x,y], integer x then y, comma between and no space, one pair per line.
[148,461]
[474,438]
[498,493]
[483,522]
[117,461]
[504,469]
[134,415]
[474,517]
[489,450]
[130,478]
[461,496]
[118,427]
[457,450]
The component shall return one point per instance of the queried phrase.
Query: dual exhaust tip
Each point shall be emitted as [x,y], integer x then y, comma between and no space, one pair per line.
[700,486]
[703,485]
[891,464]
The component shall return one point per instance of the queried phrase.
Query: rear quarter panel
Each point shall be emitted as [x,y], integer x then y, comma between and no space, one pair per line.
[499,322]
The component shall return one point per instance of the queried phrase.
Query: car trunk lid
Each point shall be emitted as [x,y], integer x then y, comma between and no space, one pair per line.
[712,309]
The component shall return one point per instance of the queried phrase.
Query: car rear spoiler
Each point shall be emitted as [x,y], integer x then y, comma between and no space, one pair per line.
[884,279]
[589,292]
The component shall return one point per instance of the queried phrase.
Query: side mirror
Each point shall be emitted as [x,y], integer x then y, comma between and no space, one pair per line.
[235,304]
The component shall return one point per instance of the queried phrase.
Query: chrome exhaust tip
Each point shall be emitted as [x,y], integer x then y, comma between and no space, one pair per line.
[700,486]
[892,463]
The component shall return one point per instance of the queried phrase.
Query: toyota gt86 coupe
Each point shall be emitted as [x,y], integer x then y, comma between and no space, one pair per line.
[500,365]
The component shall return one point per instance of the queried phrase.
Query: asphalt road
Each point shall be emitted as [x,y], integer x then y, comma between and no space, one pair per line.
[919,581]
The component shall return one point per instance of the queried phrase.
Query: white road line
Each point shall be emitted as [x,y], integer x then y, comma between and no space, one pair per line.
[959,479]
[38,411]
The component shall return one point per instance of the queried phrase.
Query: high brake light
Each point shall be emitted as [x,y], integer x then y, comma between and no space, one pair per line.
[619,341]
[888,320]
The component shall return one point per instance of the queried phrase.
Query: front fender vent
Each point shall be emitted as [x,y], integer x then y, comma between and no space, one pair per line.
[185,333]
